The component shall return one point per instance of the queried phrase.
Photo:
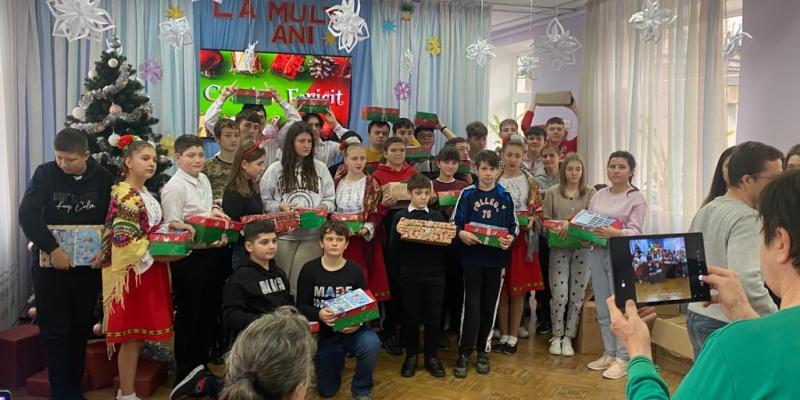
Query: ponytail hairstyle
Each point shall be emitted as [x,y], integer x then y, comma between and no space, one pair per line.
[291,162]
[249,151]
[271,358]
[628,157]
[132,149]
[562,175]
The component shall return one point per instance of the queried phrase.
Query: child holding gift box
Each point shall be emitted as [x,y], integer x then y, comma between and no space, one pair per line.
[486,203]
[71,190]
[197,279]
[298,181]
[556,130]
[242,196]
[359,194]
[323,279]
[218,168]
[524,273]
[421,280]
[623,201]
[137,302]
[569,268]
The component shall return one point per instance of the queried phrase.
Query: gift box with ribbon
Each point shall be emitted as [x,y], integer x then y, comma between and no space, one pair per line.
[489,235]
[426,120]
[429,232]
[252,96]
[555,241]
[211,229]
[353,308]
[584,226]
[353,221]
[312,218]
[384,114]
[448,198]
[313,105]
[170,243]
[284,222]
[287,65]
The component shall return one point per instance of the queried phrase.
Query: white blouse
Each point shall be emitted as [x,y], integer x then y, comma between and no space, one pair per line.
[154,215]
[350,200]
[519,189]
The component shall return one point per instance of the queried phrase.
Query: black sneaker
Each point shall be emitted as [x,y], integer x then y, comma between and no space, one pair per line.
[435,367]
[462,365]
[510,348]
[499,347]
[392,345]
[409,366]
[482,366]
[190,385]
[544,329]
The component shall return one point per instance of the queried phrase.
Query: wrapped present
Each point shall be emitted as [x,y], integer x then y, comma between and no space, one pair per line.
[553,98]
[288,65]
[170,243]
[352,308]
[284,222]
[313,105]
[426,120]
[584,224]
[312,218]
[80,242]
[448,198]
[353,221]
[211,229]
[252,96]
[415,154]
[488,235]
[555,241]
[384,114]
[246,62]
[313,326]
[429,232]
[522,219]
[399,190]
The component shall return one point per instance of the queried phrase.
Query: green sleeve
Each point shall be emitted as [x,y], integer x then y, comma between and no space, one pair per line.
[644,381]
[709,375]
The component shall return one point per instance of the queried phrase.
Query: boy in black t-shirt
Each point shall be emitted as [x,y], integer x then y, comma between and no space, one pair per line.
[421,280]
[323,279]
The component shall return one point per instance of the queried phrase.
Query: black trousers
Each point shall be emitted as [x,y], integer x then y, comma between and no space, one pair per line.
[543,296]
[197,283]
[422,303]
[481,295]
[393,308]
[453,290]
[65,307]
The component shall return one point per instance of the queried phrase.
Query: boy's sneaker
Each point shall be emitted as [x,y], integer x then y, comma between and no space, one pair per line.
[500,347]
[566,347]
[435,367]
[462,365]
[523,333]
[544,328]
[409,367]
[555,346]
[618,369]
[601,364]
[482,366]
[191,385]
[509,348]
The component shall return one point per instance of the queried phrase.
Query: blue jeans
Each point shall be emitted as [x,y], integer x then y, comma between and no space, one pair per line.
[700,328]
[603,287]
[363,344]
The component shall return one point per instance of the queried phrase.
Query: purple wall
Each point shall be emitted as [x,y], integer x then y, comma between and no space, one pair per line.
[769,95]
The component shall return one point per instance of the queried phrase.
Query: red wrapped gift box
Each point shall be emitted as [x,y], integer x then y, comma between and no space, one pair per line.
[284,222]
[314,326]
[385,114]
[287,65]
[171,243]
[211,229]
[313,105]
[353,221]
[252,96]
[22,355]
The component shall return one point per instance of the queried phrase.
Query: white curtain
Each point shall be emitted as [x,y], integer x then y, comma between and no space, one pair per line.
[663,102]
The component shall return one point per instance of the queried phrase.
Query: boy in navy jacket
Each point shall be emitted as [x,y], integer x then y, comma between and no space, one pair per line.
[484,203]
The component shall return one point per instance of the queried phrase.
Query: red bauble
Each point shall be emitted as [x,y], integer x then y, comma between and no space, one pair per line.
[124,141]
[210,62]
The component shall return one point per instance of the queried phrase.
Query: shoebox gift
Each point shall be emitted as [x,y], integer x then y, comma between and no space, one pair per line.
[415,154]
[313,105]
[211,229]
[448,198]
[583,226]
[522,219]
[429,232]
[170,243]
[312,218]
[555,241]
[426,119]
[488,235]
[353,221]
[553,98]
[80,242]
[284,221]
[353,308]
[399,190]
[384,114]
[252,96]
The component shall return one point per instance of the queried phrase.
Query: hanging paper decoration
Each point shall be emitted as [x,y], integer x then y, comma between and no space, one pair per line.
[174,12]
[408,60]
[77,19]
[176,32]
[434,46]
[528,65]
[651,20]
[150,70]
[322,67]
[734,39]
[558,45]
[480,51]
[345,23]
[406,9]
[389,26]
[402,90]
[215,1]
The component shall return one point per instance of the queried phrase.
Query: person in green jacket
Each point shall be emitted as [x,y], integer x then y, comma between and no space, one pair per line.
[754,357]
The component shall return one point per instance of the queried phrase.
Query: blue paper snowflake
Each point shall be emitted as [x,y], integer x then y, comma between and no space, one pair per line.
[389,26]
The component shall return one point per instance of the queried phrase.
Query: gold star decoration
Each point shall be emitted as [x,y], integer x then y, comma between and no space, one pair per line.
[174,12]
[329,38]
[434,46]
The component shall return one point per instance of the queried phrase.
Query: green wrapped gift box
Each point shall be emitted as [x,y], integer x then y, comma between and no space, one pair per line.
[522,219]
[587,235]
[353,308]
[313,105]
[312,218]
[171,243]
[384,114]
[360,318]
[353,221]
[252,96]
[570,242]
[488,235]
[417,154]
[448,198]
[211,229]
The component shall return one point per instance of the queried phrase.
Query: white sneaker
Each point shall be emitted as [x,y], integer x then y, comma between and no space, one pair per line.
[566,347]
[523,333]
[555,346]
[496,334]
[617,370]
[601,364]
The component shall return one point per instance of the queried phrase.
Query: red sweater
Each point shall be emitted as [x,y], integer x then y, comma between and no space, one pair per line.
[567,146]
[384,174]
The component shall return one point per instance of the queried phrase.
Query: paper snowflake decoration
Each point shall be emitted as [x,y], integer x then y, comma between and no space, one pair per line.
[150,70]
[528,65]
[734,39]
[434,46]
[345,24]
[77,19]
[215,1]
[651,20]
[558,46]
[408,60]
[402,91]
[174,12]
[389,26]
[176,32]
[480,51]
[329,39]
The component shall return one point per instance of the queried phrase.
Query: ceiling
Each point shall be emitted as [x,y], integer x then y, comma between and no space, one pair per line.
[514,12]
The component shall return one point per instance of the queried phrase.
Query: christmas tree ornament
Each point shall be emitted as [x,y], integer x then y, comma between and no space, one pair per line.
[389,26]
[79,113]
[113,139]
[406,9]
[151,70]
[114,109]
[402,91]
[733,41]
[77,19]
[345,24]
[651,20]
[434,46]
[93,74]
[408,61]
[176,32]
[113,45]
[113,62]
[480,51]
[322,67]
[210,62]
[558,45]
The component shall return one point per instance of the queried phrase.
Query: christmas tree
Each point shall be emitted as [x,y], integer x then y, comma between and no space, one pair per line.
[115,111]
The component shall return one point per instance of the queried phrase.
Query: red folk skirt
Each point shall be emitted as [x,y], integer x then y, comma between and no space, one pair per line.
[522,275]
[369,256]
[146,312]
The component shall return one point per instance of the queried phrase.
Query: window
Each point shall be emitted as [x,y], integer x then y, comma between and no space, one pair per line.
[732,84]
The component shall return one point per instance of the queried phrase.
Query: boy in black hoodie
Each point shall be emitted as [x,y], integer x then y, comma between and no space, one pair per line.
[72,190]
[258,285]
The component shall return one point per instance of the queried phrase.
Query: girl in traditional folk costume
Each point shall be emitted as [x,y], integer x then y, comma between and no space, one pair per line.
[137,303]
[524,273]
[358,193]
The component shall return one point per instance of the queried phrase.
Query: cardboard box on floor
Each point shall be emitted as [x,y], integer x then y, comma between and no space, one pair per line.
[672,349]
[589,340]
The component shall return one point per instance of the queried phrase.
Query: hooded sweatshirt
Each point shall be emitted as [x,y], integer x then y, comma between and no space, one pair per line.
[55,198]
[384,175]
[252,291]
